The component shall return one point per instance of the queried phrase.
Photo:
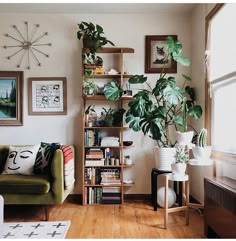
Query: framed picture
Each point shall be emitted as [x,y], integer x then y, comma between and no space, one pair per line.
[47,96]
[11,98]
[156,57]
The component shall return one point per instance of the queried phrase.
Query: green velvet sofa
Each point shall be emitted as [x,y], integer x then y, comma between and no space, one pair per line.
[34,189]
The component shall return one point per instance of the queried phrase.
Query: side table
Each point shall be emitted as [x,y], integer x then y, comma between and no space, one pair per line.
[185,195]
[154,176]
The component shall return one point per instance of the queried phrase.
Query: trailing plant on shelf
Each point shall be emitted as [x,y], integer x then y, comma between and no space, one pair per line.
[153,110]
[93,38]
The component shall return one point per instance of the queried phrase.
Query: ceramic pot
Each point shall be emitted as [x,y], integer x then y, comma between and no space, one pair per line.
[184,138]
[164,157]
[178,169]
[202,153]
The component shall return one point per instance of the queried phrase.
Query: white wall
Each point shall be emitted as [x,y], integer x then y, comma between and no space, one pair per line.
[126,30]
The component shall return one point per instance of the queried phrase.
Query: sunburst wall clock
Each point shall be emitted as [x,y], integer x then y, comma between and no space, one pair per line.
[28,45]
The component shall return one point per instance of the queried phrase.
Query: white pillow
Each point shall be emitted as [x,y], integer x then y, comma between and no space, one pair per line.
[21,160]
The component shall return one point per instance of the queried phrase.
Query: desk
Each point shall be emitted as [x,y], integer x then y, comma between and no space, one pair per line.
[154,175]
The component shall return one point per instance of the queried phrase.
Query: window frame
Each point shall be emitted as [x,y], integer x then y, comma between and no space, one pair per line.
[218,155]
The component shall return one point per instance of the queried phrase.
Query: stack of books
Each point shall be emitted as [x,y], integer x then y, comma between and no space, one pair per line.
[110,176]
[111,195]
[94,157]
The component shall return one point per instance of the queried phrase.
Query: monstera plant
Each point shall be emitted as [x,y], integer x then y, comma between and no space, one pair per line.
[154,109]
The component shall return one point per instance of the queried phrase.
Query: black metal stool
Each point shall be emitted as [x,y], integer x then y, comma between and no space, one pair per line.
[154,176]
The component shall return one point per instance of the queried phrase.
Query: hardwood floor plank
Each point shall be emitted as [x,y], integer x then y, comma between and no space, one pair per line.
[130,220]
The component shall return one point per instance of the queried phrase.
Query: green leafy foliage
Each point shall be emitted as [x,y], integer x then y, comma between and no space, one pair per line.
[112,91]
[154,109]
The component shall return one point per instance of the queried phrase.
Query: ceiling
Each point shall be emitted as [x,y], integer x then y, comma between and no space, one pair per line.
[97,8]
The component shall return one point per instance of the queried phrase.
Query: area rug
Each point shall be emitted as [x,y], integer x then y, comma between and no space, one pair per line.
[35,230]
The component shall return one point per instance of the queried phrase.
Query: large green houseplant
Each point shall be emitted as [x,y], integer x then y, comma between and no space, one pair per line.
[155,109]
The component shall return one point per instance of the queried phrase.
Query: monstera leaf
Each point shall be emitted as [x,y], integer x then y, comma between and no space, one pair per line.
[112,91]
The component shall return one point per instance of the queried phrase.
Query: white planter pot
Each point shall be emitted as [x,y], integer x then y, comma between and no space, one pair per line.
[184,138]
[178,169]
[202,153]
[128,161]
[164,157]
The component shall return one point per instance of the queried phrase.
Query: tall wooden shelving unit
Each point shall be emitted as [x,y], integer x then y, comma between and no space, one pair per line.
[117,53]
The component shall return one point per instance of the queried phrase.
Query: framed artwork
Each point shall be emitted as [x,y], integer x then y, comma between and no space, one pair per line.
[156,57]
[47,96]
[11,98]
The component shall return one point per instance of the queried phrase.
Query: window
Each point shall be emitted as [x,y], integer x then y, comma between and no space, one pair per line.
[222,80]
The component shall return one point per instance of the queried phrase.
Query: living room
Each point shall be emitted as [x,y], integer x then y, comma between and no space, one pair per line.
[59,58]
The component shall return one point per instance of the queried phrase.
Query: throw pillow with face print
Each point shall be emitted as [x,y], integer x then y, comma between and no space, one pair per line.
[21,160]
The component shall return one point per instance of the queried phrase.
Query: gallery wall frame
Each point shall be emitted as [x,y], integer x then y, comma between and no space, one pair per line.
[47,96]
[156,57]
[11,98]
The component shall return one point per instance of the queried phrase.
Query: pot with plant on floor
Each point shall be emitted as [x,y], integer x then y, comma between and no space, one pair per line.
[202,151]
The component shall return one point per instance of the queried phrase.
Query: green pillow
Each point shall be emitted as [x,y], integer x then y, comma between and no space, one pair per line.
[44,157]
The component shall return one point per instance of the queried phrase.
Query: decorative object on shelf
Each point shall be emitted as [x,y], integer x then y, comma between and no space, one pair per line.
[128,160]
[112,71]
[201,151]
[90,116]
[161,197]
[127,143]
[155,109]
[47,96]
[128,91]
[29,44]
[11,98]
[181,159]
[90,87]
[107,116]
[157,55]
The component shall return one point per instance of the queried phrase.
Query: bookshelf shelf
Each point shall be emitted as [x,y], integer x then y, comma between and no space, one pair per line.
[103,179]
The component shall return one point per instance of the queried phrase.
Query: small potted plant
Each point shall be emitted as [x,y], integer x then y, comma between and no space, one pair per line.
[128,160]
[181,159]
[128,91]
[202,151]
[107,116]
[90,116]
[90,87]
[93,36]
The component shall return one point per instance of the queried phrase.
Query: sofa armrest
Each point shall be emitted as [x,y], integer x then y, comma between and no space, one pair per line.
[57,170]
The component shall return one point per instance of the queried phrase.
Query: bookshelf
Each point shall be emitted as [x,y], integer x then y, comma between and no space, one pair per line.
[102,147]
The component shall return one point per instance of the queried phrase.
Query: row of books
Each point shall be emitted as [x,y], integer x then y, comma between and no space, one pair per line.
[92,137]
[102,176]
[98,195]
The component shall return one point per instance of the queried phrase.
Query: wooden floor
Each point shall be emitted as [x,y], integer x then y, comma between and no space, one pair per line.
[130,220]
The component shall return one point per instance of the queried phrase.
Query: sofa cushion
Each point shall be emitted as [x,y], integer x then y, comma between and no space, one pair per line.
[44,157]
[21,160]
[24,184]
